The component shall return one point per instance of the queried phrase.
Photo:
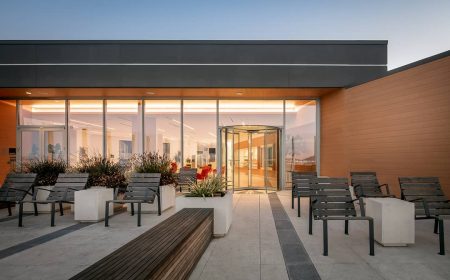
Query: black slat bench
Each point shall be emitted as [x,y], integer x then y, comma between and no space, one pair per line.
[170,250]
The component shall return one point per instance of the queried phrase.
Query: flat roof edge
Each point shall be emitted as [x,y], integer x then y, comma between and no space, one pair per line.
[409,66]
[198,42]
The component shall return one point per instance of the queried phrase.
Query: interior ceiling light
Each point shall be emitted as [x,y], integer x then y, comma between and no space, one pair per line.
[239,93]
[150,93]
[28,93]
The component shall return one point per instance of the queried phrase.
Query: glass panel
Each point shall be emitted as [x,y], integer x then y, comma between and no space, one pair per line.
[85,128]
[54,147]
[30,145]
[162,128]
[200,135]
[251,112]
[270,159]
[300,151]
[42,112]
[241,153]
[124,128]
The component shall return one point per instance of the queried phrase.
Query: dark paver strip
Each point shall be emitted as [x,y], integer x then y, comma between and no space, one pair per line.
[298,263]
[45,238]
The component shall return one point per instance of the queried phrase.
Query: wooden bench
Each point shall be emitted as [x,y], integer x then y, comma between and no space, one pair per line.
[170,250]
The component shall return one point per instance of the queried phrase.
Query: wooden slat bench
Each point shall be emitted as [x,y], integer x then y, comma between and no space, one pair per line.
[170,250]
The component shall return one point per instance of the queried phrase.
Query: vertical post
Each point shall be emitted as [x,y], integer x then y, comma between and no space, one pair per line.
[182,131]
[143,101]
[441,237]
[250,158]
[52,223]
[139,215]
[107,214]
[66,125]
[318,126]
[105,129]
[310,216]
[325,237]
[218,142]
[282,151]
[371,238]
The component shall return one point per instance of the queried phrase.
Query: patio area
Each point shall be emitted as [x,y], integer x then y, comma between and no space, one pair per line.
[259,245]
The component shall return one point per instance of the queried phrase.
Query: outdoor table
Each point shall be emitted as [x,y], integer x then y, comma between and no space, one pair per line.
[90,204]
[393,220]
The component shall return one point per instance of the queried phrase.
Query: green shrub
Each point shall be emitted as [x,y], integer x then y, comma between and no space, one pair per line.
[47,170]
[211,186]
[154,163]
[103,172]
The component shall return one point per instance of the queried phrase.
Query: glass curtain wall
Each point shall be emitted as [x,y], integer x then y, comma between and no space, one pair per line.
[123,129]
[162,126]
[199,135]
[300,145]
[185,130]
[85,129]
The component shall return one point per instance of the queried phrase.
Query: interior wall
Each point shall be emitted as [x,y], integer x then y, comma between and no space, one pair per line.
[398,125]
[7,135]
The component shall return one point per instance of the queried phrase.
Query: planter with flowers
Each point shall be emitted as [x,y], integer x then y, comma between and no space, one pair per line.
[211,193]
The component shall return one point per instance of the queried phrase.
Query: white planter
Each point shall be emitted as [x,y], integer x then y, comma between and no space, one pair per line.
[41,195]
[167,201]
[393,220]
[90,204]
[223,209]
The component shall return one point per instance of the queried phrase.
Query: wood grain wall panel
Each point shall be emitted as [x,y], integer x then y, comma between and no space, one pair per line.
[7,136]
[398,125]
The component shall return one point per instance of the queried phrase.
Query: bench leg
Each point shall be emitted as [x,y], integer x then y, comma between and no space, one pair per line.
[107,214]
[436,221]
[362,207]
[132,209]
[159,205]
[346,227]
[9,209]
[292,203]
[310,218]
[61,210]
[35,209]
[371,238]
[325,237]
[52,223]
[20,213]
[441,238]
[139,215]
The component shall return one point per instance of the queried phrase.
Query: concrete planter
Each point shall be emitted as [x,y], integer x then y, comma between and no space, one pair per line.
[223,209]
[167,201]
[41,195]
[90,204]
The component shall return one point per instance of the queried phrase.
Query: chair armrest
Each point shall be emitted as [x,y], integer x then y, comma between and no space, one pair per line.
[386,186]
[73,189]
[45,189]
[425,205]
[358,187]
[20,190]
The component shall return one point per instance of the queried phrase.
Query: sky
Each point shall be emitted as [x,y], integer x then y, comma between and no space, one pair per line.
[415,29]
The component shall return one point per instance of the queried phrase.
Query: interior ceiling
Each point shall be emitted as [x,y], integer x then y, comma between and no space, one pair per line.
[158,93]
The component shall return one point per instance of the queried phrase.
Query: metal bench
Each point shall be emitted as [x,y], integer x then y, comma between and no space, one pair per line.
[170,250]
[331,201]
[186,177]
[143,188]
[365,184]
[15,187]
[62,192]
[300,186]
[430,202]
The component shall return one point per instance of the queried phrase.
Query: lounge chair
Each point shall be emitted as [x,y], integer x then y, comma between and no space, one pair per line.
[300,186]
[430,202]
[143,188]
[365,184]
[62,192]
[15,187]
[331,201]
[186,177]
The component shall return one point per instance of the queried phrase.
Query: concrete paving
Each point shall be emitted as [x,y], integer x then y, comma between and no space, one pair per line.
[251,250]
[349,255]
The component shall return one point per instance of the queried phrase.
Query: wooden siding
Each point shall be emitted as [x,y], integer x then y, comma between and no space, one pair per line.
[398,125]
[7,135]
